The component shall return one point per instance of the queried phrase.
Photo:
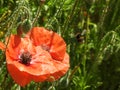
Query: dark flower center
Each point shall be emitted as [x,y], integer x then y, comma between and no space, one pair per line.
[25,58]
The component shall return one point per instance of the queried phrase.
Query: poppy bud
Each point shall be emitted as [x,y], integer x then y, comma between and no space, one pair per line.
[26,25]
[19,30]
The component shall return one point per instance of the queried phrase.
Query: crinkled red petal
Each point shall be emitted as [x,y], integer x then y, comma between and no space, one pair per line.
[42,67]
[13,47]
[62,68]
[39,71]
[49,39]
[20,77]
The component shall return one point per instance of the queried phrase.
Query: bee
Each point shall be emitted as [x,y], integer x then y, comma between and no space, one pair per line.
[81,36]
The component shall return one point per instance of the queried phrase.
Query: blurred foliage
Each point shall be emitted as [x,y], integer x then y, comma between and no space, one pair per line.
[91,29]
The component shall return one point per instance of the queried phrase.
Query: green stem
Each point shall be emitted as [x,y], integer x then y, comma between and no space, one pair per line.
[70,15]
[37,15]
[56,14]
[23,7]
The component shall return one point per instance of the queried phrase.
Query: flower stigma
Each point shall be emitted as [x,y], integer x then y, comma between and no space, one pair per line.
[25,58]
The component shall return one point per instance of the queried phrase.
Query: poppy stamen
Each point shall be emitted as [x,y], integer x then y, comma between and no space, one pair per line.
[25,58]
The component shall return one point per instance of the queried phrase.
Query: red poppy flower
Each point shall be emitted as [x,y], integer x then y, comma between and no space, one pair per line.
[39,56]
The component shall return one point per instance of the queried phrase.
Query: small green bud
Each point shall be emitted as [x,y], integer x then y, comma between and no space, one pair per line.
[26,25]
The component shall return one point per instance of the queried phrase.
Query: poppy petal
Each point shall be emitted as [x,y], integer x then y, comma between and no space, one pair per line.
[50,70]
[62,68]
[16,45]
[41,68]
[58,47]
[13,46]
[21,78]
[23,74]
[49,39]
